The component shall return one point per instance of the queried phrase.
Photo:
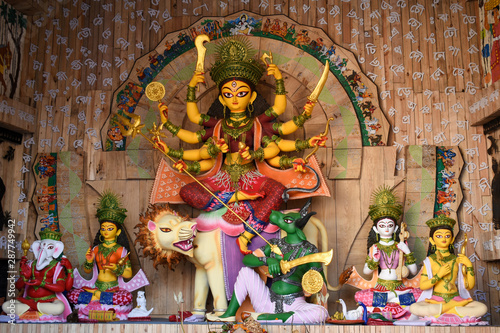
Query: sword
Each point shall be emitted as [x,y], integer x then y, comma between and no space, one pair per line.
[200,48]
[266,56]
[324,257]
[313,98]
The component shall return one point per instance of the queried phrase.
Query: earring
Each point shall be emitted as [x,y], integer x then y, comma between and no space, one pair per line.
[450,248]
[378,237]
[433,247]
[250,108]
[100,239]
[224,111]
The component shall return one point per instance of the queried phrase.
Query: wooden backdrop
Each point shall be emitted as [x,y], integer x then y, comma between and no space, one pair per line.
[424,58]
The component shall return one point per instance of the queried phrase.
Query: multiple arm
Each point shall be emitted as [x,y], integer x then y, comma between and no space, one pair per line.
[204,158]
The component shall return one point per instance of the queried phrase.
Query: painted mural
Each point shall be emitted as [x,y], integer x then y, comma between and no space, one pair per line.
[364,102]
[11,48]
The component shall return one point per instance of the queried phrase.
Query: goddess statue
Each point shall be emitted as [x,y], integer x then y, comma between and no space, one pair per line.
[108,260]
[241,129]
[387,254]
[446,279]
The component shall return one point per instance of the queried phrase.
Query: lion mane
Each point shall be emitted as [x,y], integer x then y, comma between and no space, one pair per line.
[147,239]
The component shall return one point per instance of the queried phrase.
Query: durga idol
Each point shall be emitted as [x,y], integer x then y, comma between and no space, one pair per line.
[240,133]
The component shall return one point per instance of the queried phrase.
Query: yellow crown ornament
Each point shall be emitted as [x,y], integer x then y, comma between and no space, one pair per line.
[234,59]
[441,220]
[384,204]
[110,209]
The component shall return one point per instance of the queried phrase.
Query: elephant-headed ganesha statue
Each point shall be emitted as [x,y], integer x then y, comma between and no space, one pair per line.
[44,280]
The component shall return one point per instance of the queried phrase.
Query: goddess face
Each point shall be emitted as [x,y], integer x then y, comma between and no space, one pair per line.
[442,238]
[236,95]
[386,227]
[109,231]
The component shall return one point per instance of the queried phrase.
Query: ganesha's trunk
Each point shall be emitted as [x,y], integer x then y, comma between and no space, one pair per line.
[42,256]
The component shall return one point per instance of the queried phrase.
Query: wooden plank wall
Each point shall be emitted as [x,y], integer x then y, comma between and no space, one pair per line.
[422,55]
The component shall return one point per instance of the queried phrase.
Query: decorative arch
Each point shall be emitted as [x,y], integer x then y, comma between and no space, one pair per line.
[300,52]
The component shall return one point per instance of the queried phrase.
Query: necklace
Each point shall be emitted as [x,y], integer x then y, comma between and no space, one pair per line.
[237,115]
[443,261]
[105,253]
[236,132]
[111,242]
[387,254]
[236,123]
[387,248]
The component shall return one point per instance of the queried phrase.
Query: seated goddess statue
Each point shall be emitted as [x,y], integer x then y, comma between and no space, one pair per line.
[108,261]
[386,254]
[445,284]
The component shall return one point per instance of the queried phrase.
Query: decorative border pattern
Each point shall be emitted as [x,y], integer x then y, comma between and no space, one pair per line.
[445,179]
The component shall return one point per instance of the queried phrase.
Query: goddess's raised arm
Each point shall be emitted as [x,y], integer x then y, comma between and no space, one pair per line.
[280,98]
[297,122]
[191,106]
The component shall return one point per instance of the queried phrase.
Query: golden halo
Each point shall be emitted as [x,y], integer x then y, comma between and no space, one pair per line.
[155,91]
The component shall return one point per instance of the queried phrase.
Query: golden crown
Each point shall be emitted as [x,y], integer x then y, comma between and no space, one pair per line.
[384,204]
[109,209]
[441,220]
[235,60]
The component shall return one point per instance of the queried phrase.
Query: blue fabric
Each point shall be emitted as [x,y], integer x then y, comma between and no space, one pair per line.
[486,51]
[379,299]
[106,298]
[84,297]
[223,196]
[407,299]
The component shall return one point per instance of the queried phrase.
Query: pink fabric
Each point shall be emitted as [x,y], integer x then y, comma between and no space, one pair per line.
[60,296]
[122,297]
[440,299]
[249,283]
[364,296]
[391,261]
[208,221]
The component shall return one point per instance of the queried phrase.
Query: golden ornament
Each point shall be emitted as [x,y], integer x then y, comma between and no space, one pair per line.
[312,282]
[155,91]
